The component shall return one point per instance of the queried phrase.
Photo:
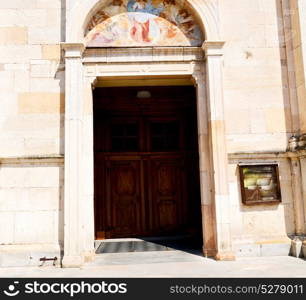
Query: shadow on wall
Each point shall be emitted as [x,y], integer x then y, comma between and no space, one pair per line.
[63,20]
[60,74]
[285,40]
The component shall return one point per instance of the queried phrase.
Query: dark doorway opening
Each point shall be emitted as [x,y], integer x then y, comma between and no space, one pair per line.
[147,164]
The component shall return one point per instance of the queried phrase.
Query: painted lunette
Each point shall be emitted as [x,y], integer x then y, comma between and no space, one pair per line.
[130,23]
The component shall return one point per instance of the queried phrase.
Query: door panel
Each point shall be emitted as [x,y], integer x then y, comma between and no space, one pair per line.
[168,190]
[123,198]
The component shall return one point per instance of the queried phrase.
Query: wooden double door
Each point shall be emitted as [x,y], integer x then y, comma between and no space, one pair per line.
[146,163]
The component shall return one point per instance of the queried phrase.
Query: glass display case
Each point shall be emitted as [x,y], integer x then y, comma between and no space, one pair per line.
[259,184]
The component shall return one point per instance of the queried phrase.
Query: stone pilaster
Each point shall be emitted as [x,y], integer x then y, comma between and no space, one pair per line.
[208,213]
[303,173]
[219,159]
[297,190]
[88,169]
[73,231]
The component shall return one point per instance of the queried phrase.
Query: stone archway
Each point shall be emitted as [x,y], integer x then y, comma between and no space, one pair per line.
[83,67]
[80,13]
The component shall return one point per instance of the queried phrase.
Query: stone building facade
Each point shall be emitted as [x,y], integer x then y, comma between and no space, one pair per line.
[246,59]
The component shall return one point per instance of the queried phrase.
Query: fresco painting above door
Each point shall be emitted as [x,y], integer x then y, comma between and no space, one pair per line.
[130,23]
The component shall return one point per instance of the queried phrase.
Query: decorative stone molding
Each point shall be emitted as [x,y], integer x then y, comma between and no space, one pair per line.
[74,106]
[50,159]
[198,75]
[213,48]
[140,69]
[73,50]
[297,142]
[149,54]
[91,81]
[219,159]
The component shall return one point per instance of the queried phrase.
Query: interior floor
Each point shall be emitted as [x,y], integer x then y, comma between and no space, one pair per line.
[185,243]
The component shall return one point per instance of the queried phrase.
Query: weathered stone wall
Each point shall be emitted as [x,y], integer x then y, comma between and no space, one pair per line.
[31,122]
[257,110]
[264,91]
[31,78]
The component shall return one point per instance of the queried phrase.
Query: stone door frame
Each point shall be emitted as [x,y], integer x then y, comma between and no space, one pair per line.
[83,67]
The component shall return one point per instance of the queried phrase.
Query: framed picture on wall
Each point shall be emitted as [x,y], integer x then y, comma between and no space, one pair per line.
[259,184]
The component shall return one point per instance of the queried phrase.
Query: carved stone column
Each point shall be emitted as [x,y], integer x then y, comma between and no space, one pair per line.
[219,160]
[73,231]
[303,181]
[208,213]
[297,189]
[88,169]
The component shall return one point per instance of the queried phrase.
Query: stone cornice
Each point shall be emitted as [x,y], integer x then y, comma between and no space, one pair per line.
[213,48]
[73,50]
[148,54]
[266,155]
[35,159]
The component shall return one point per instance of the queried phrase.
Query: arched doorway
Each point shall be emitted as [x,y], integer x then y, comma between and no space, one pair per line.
[85,68]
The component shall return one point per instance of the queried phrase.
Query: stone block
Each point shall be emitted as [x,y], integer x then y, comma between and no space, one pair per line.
[37,146]
[119,55]
[49,4]
[19,53]
[36,256]
[11,146]
[48,85]
[237,124]
[6,81]
[275,249]
[51,52]
[12,177]
[29,199]
[9,198]
[304,249]
[275,120]
[35,227]
[6,225]
[28,255]
[161,54]
[17,67]
[28,17]
[13,35]
[43,68]
[18,4]
[247,250]
[8,104]
[44,35]
[21,81]
[44,199]
[14,259]
[40,103]
[296,247]
[255,142]
[42,176]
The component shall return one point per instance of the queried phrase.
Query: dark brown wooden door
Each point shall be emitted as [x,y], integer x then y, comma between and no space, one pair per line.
[143,154]
[168,192]
[123,197]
